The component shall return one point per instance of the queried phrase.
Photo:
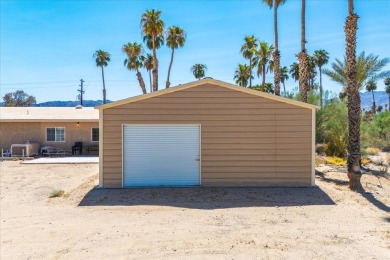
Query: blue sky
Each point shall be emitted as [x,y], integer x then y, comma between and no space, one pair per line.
[46,47]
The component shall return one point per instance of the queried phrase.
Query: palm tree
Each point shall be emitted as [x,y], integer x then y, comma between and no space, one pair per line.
[148,65]
[176,37]
[263,58]
[294,71]
[283,78]
[199,70]
[368,67]
[387,84]
[158,42]
[276,54]
[134,61]
[242,75]
[321,58]
[354,172]
[303,59]
[102,58]
[153,26]
[248,50]
[371,86]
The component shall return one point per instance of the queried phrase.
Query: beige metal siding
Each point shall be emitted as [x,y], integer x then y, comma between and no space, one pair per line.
[246,140]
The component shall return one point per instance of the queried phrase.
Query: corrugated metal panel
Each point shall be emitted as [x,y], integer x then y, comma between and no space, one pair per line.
[161,155]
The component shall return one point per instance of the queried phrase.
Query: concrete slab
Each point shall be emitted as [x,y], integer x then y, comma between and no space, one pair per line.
[64,160]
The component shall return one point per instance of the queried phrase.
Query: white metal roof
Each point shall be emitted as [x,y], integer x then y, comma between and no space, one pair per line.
[52,114]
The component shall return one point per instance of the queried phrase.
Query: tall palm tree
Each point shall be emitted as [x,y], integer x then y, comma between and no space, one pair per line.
[368,67]
[294,71]
[248,50]
[321,58]
[242,75]
[283,77]
[276,54]
[263,58]
[303,59]
[199,70]
[102,58]
[387,84]
[176,37]
[354,172]
[158,41]
[153,26]
[148,65]
[371,86]
[134,61]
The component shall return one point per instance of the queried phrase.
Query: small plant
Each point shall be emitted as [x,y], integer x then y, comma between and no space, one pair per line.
[365,161]
[56,193]
[372,150]
[336,161]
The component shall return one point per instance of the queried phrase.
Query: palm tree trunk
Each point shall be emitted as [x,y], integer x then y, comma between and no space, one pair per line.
[104,87]
[276,54]
[354,172]
[303,59]
[141,82]
[284,89]
[373,103]
[250,78]
[320,69]
[169,69]
[150,81]
[155,66]
[263,80]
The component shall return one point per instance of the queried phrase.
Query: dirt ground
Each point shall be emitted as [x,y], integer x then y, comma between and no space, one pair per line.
[328,222]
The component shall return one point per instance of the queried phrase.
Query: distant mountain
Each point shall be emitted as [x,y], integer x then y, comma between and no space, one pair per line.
[86,103]
[381,98]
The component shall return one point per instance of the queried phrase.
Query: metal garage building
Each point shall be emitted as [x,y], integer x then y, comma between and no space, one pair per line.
[207,133]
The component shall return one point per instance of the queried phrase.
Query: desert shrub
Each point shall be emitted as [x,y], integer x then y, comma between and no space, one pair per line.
[56,193]
[365,161]
[376,132]
[336,161]
[332,128]
[372,150]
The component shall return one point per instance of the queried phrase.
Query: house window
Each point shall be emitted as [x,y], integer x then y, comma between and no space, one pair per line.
[95,134]
[55,134]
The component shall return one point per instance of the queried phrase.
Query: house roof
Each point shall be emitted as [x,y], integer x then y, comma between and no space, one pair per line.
[212,82]
[48,114]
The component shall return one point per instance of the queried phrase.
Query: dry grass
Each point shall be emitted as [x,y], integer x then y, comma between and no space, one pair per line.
[372,150]
[56,193]
[336,161]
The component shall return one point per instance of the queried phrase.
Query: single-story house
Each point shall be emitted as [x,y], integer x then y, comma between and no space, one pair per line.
[206,133]
[60,127]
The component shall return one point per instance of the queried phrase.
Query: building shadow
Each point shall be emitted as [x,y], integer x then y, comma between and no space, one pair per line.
[207,198]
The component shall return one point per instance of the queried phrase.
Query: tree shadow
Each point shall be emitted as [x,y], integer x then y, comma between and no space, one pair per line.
[374,201]
[329,180]
[207,198]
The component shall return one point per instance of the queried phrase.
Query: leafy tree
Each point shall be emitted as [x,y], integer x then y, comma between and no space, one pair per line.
[352,89]
[276,55]
[199,70]
[148,65]
[321,57]
[102,58]
[303,59]
[248,50]
[134,61]
[176,37]
[152,26]
[283,78]
[18,99]
[376,132]
[387,84]
[242,75]
[371,86]
[267,88]
[263,58]
[368,67]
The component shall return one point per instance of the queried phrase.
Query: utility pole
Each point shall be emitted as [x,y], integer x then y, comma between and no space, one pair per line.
[81,91]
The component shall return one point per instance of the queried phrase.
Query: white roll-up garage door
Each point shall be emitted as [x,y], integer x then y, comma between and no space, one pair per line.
[161,155]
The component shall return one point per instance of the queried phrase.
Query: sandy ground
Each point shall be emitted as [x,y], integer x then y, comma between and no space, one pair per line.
[328,222]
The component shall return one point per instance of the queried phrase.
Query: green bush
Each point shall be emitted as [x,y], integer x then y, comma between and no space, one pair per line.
[376,132]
